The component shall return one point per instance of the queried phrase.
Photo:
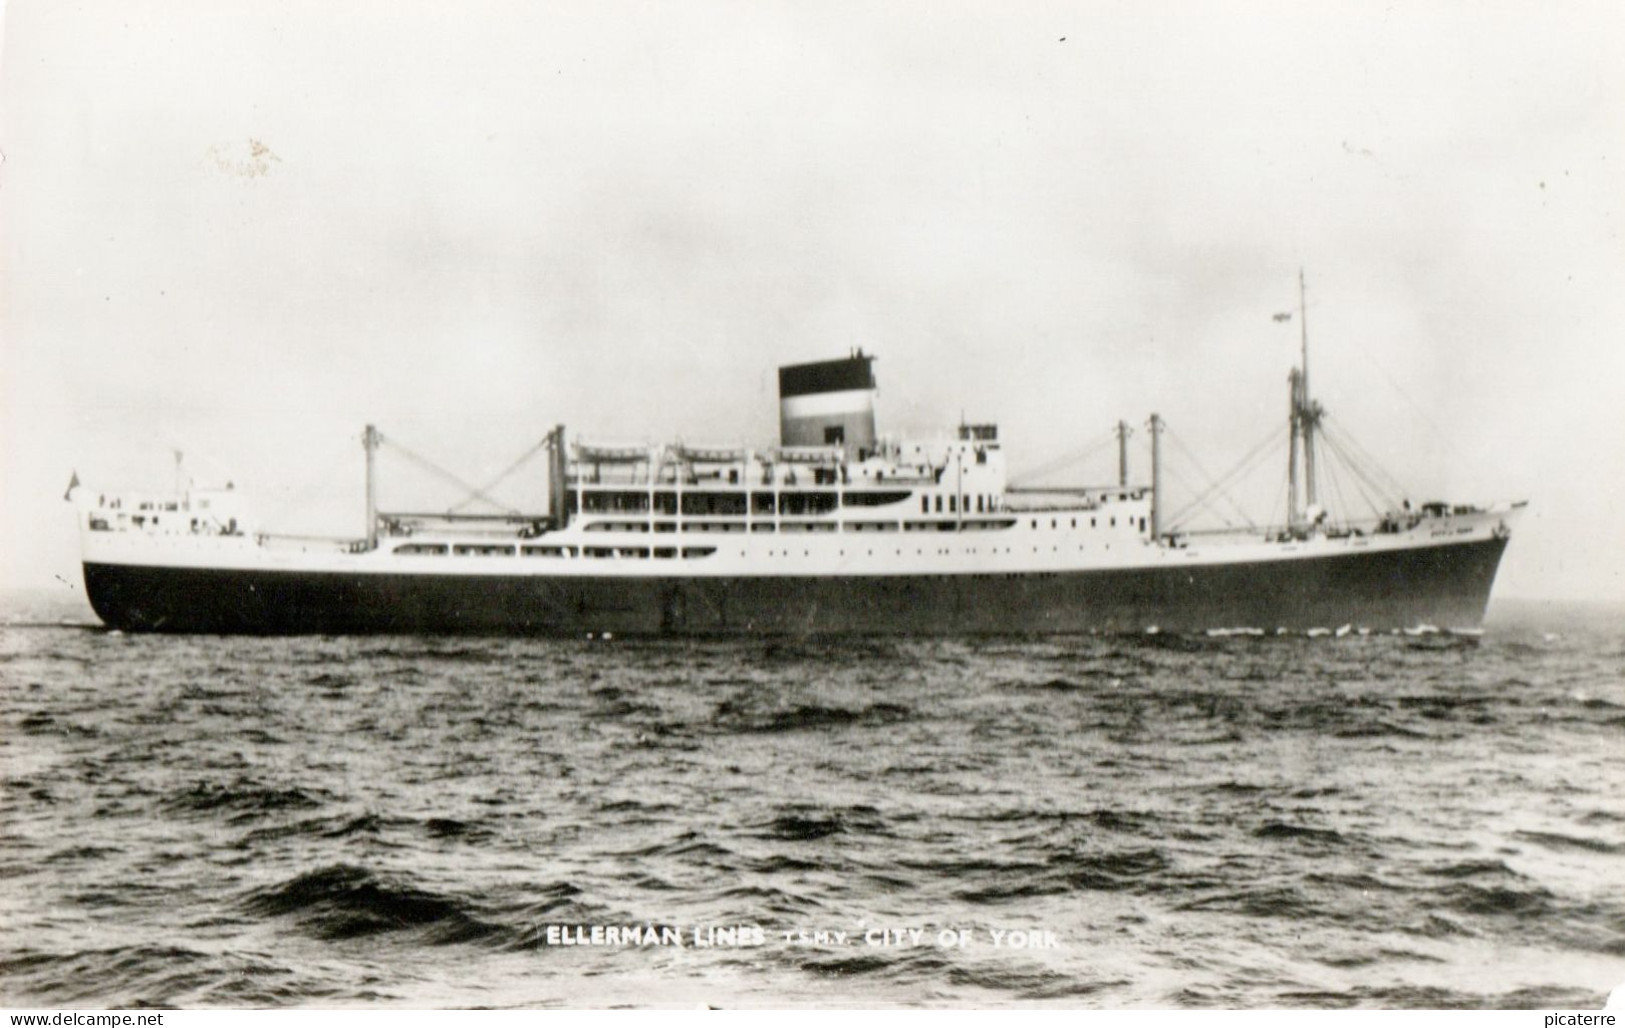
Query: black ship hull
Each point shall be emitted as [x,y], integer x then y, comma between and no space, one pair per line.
[1447,586]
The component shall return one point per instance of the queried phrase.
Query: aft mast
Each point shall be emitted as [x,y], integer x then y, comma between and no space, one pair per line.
[1156,478]
[1123,432]
[369,440]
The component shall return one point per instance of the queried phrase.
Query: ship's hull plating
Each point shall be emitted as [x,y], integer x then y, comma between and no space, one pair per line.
[1446,585]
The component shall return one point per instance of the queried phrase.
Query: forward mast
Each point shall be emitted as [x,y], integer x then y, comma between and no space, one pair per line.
[1304,417]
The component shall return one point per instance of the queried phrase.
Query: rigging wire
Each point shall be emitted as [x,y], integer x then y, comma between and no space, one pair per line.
[1360,481]
[1364,469]
[1065,460]
[1213,486]
[1336,482]
[1365,476]
[1420,409]
[441,472]
[1239,470]
[1380,479]
[1176,476]
[1280,497]
[499,479]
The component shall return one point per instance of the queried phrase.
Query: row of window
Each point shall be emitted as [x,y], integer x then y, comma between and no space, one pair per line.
[623,552]
[941,551]
[1111,522]
[984,525]
[591,552]
[984,504]
[504,550]
[731,503]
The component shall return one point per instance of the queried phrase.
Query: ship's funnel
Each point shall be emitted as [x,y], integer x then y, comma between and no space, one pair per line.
[829,403]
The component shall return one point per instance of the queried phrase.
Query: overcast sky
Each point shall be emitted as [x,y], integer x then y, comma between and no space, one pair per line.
[245,230]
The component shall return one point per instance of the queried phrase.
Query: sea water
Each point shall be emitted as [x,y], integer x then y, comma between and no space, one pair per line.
[1164,821]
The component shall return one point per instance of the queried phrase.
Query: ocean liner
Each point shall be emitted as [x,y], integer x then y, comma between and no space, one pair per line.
[834,530]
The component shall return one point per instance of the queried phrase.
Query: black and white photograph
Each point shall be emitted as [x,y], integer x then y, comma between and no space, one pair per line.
[1085,504]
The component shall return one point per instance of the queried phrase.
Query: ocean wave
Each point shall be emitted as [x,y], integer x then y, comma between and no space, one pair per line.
[1116,869]
[244,798]
[454,828]
[1426,997]
[734,717]
[802,827]
[1004,892]
[1273,903]
[37,723]
[156,976]
[1472,869]
[957,868]
[343,901]
[82,854]
[1281,830]
[690,845]
[1498,901]
[1560,842]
